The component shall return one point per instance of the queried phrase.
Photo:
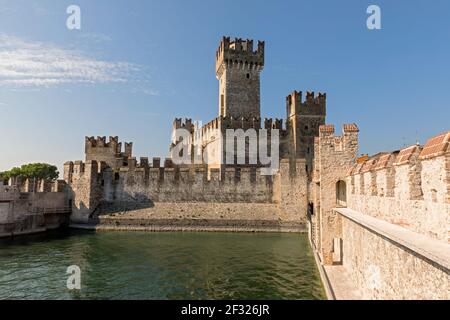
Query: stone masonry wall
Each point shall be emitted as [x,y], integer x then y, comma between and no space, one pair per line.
[291,190]
[140,185]
[30,212]
[382,269]
[84,192]
[334,156]
[411,189]
[238,68]
[190,184]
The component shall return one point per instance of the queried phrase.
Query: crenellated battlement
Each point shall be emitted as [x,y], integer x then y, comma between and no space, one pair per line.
[409,156]
[348,141]
[312,104]
[110,152]
[201,173]
[187,184]
[401,186]
[409,169]
[436,146]
[239,54]
[224,123]
[101,141]
[187,124]
[37,185]
[79,169]
[244,123]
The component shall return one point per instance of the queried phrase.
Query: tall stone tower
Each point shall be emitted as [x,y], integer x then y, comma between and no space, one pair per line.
[303,121]
[97,149]
[238,69]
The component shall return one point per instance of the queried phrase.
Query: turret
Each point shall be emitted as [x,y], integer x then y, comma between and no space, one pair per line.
[304,117]
[238,68]
[97,149]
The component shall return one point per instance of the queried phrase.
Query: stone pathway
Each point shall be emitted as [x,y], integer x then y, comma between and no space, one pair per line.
[343,287]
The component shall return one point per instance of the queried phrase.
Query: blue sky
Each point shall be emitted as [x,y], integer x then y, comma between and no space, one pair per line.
[136,65]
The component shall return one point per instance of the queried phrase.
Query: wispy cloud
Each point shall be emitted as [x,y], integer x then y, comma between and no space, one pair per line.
[35,64]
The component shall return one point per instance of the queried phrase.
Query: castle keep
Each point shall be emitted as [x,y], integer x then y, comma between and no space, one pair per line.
[111,177]
[379,225]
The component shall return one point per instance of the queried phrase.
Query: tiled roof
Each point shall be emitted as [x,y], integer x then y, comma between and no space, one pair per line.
[406,155]
[369,164]
[436,146]
[383,161]
[327,128]
[351,127]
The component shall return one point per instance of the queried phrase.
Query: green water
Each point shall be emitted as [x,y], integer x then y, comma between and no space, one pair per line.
[160,266]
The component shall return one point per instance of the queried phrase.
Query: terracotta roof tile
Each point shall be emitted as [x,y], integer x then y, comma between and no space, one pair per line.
[406,155]
[436,146]
[369,164]
[327,128]
[351,127]
[383,161]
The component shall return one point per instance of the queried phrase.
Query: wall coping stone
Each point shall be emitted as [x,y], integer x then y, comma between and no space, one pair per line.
[435,251]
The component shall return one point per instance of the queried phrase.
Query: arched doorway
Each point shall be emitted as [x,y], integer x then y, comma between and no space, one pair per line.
[341,194]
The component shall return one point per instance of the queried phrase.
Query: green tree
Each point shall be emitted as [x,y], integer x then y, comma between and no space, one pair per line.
[40,171]
[4,177]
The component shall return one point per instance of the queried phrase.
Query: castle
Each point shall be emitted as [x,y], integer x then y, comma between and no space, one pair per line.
[112,177]
[379,225]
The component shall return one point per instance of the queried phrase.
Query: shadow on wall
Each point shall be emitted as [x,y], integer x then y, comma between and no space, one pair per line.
[133,202]
[341,194]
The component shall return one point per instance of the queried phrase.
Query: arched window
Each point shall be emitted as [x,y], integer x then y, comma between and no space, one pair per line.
[341,194]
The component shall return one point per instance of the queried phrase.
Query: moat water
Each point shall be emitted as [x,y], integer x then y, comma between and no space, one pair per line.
[160,266]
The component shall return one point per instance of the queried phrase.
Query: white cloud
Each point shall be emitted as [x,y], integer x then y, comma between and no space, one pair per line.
[35,64]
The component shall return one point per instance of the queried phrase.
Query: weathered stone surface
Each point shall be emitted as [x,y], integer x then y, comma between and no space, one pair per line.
[389,263]
[411,193]
[31,212]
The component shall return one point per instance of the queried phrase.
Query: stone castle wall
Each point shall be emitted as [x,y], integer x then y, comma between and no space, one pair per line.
[384,262]
[409,188]
[390,232]
[334,155]
[32,206]
[144,185]
[189,184]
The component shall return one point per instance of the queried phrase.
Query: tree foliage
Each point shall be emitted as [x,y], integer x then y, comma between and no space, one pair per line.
[39,171]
